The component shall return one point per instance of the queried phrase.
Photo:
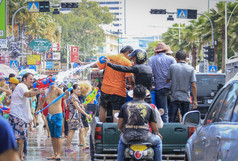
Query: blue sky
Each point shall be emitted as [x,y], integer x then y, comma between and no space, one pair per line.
[139,18]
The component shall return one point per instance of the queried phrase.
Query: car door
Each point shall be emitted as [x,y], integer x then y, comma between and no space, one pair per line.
[226,138]
[202,143]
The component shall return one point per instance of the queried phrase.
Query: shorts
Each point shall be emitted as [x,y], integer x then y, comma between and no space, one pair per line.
[75,124]
[84,120]
[55,123]
[19,127]
[111,101]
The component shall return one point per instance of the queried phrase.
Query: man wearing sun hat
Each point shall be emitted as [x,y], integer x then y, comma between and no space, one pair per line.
[160,64]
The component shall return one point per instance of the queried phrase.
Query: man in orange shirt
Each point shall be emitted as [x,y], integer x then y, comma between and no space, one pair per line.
[113,90]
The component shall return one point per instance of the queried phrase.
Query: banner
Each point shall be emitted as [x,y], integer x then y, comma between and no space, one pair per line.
[56,56]
[15,30]
[74,54]
[33,59]
[49,55]
[5,58]
[2,18]
[56,65]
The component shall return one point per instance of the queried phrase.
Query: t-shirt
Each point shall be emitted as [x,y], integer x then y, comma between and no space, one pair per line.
[160,65]
[181,75]
[114,82]
[137,115]
[7,138]
[20,105]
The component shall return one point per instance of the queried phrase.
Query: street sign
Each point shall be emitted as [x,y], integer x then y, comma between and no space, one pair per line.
[49,65]
[3,43]
[182,13]
[13,63]
[33,7]
[33,67]
[40,45]
[212,69]
[22,67]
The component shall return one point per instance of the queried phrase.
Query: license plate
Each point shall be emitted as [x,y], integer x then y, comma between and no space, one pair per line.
[209,101]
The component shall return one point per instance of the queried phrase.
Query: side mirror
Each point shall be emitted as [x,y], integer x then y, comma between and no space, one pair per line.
[191,118]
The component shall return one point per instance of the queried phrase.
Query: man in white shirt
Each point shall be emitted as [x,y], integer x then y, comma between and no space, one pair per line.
[20,110]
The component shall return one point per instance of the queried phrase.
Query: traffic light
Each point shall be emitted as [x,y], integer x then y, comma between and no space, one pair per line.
[206,52]
[69,5]
[44,6]
[192,14]
[209,52]
[212,53]
[158,11]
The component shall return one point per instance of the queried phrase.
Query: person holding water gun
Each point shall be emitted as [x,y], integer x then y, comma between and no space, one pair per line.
[54,117]
[75,121]
[20,114]
[4,87]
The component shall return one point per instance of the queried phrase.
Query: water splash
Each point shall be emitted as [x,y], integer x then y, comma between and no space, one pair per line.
[65,76]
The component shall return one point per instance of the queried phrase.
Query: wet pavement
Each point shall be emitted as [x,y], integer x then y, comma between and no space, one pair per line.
[40,146]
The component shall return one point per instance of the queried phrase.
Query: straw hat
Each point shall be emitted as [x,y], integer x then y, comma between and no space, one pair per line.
[161,47]
[169,50]
[130,93]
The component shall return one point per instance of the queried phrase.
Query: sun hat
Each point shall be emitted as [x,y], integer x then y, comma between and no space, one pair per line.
[161,47]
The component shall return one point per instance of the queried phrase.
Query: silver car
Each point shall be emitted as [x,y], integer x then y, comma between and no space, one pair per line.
[216,137]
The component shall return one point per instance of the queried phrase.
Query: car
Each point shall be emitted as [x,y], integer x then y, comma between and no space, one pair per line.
[215,137]
[208,84]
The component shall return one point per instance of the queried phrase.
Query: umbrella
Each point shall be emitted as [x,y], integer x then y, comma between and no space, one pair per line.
[24,71]
[6,70]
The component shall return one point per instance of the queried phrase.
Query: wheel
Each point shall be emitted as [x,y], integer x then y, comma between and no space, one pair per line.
[91,148]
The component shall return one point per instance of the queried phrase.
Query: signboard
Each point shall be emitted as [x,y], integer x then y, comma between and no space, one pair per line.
[22,67]
[33,59]
[49,65]
[3,43]
[182,13]
[13,63]
[55,47]
[2,19]
[5,58]
[40,45]
[32,67]
[74,54]
[56,64]
[33,7]
[49,56]
[15,30]
[212,69]
[56,56]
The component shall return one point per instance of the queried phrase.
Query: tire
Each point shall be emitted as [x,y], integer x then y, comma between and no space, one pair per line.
[91,148]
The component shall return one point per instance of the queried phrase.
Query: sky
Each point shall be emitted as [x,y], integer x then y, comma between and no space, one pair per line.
[139,21]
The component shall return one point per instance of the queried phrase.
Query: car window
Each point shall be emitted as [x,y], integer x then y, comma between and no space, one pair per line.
[229,103]
[216,106]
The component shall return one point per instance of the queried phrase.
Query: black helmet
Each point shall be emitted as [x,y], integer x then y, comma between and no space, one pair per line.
[126,49]
[141,55]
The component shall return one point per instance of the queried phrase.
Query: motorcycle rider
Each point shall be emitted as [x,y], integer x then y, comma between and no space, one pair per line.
[142,72]
[133,122]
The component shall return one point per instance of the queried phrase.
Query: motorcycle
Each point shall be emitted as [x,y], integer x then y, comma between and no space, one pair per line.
[142,152]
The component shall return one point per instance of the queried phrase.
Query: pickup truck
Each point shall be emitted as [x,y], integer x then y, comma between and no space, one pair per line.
[104,139]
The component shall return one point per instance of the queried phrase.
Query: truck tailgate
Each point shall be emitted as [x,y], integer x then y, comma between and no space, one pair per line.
[175,136]
[110,133]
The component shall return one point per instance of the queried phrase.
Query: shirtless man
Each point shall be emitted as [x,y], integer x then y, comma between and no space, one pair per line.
[55,119]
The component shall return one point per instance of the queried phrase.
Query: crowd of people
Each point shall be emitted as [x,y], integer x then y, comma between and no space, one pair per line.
[169,76]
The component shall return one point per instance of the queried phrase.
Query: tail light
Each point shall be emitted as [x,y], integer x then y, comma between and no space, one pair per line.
[191,102]
[98,135]
[191,130]
[138,154]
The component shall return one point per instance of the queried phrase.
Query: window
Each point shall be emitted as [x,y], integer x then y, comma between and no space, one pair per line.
[113,8]
[116,13]
[116,25]
[228,105]
[112,2]
[216,106]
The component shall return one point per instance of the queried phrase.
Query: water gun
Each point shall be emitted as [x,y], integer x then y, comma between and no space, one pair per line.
[91,115]
[2,96]
[4,109]
[91,95]
[57,99]
[44,83]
